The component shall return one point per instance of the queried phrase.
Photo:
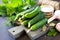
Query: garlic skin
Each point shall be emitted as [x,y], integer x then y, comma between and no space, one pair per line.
[52,3]
[58,27]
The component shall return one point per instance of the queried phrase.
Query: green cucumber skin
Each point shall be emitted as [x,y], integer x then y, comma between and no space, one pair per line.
[31,14]
[23,13]
[25,23]
[40,16]
[39,24]
[27,11]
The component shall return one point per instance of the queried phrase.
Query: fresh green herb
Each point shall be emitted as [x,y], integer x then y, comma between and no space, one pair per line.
[12,18]
[2,8]
[12,6]
[18,2]
[28,1]
[33,2]
[5,1]
[2,14]
[52,32]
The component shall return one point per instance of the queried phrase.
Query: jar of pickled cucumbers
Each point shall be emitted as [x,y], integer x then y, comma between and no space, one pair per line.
[48,9]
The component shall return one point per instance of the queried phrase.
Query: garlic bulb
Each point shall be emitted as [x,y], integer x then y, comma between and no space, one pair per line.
[58,27]
[55,16]
[54,4]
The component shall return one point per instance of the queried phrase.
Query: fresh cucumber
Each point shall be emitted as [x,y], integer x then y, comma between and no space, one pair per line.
[31,14]
[39,24]
[25,23]
[23,13]
[40,16]
[26,7]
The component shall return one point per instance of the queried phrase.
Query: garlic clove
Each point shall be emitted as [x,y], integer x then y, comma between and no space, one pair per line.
[51,19]
[58,27]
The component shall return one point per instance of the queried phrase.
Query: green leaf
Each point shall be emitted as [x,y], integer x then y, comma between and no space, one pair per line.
[28,1]
[33,2]
[5,1]
[20,2]
[10,9]
[55,34]
[52,32]
[10,12]
[3,10]
[12,18]
[49,34]
[17,2]
[2,14]
[2,7]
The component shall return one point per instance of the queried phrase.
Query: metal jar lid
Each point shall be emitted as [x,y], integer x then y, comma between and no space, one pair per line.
[47,8]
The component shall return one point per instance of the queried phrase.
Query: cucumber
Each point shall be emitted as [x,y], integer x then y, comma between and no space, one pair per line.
[25,23]
[31,14]
[39,24]
[26,7]
[40,16]
[23,13]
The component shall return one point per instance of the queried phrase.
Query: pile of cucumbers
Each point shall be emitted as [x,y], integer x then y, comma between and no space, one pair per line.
[32,18]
